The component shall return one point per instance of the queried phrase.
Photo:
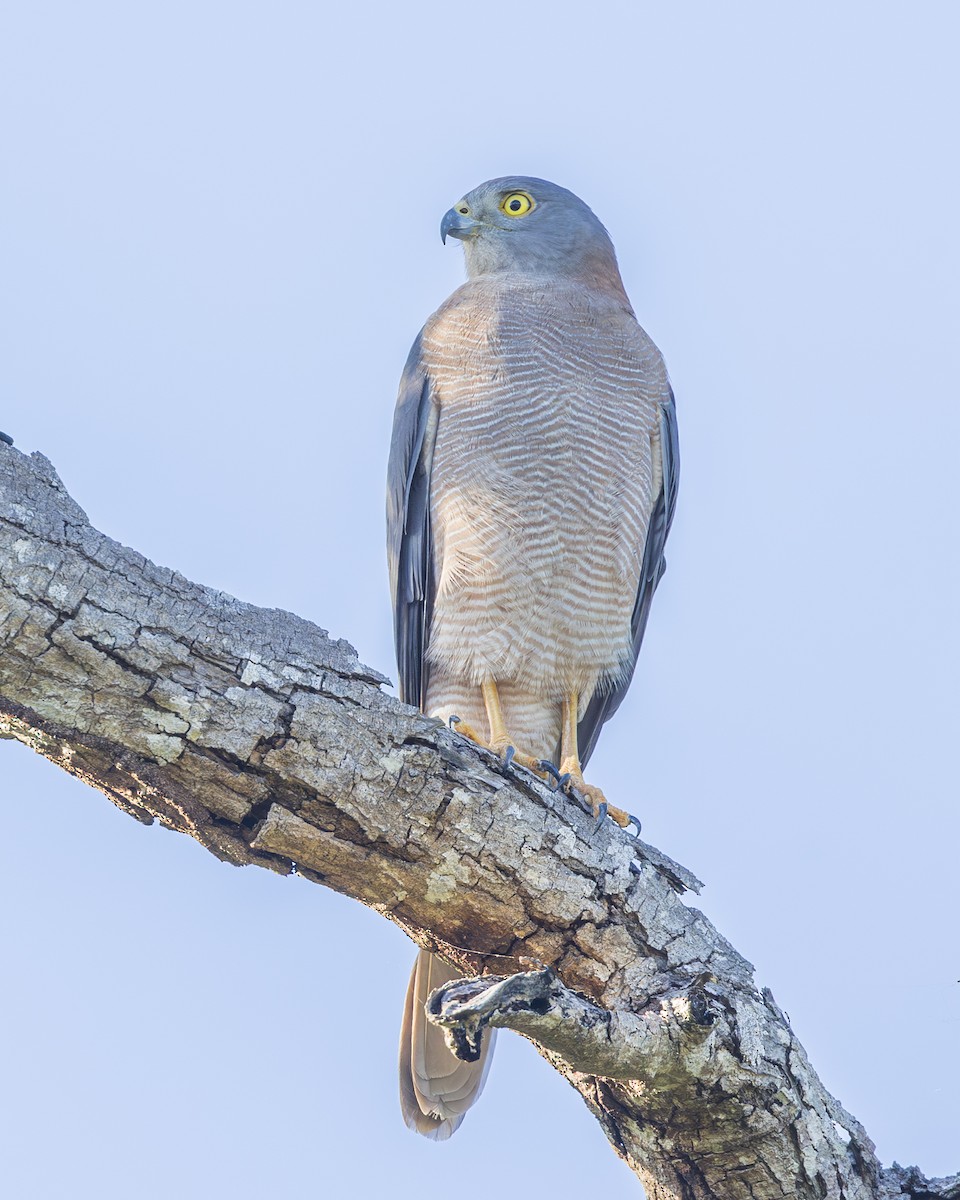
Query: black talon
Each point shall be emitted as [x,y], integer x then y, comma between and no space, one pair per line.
[581,800]
[635,821]
[5,437]
[508,756]
[453,720]
[601,815]
[547,766]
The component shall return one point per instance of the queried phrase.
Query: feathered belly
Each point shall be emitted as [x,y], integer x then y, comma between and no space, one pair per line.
[539,518]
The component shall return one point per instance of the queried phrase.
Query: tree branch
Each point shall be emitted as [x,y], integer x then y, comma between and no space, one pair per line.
[590,1039]
[271,744]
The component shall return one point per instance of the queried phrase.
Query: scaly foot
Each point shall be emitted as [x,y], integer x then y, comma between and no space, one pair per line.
[572,781]
[502,746]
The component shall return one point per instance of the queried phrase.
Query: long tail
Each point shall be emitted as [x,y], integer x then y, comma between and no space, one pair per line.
[436,1087]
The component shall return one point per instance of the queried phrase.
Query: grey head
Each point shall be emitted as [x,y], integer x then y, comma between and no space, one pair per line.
[521,225]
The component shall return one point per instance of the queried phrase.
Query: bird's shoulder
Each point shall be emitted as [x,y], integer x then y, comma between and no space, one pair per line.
[488,316]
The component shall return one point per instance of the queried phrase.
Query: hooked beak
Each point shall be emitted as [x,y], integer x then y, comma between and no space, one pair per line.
[458,225]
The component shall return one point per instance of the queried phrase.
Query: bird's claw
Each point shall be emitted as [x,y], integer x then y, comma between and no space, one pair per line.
[5,437]
[592,801]
[566,785]
[548,768]
[580,799]
[510,758]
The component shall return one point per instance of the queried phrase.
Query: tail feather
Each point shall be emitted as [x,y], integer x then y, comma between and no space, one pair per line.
[436,1087]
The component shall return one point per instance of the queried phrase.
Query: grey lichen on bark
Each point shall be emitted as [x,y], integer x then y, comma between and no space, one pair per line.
[271,744]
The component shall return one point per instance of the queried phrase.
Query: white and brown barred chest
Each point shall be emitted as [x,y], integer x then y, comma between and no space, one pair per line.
[541,486]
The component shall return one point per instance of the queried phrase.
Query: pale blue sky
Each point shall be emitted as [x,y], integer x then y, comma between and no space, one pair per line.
[218,230]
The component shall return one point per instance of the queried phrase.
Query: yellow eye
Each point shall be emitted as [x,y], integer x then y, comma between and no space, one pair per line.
[517,204]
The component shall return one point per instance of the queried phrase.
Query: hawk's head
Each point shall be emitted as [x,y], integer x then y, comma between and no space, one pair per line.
[521,225]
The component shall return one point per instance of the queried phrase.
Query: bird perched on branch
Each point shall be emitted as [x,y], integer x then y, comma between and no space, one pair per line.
[532,482]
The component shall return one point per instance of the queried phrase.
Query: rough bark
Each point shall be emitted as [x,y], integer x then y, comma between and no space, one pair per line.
[271,744]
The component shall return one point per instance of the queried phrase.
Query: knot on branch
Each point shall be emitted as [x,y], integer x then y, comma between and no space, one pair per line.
[701,1011]
[465,1007]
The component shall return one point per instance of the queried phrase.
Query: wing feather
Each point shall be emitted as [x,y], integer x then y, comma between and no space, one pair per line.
[604,704]
[409,539]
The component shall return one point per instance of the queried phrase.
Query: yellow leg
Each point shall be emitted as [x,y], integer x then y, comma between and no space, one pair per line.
[500,741]
[498,726]
[570,765]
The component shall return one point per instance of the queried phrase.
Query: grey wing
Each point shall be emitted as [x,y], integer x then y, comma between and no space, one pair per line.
[604,704]
[409,541]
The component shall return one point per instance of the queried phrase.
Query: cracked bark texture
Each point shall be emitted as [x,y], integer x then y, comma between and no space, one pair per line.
[267,741]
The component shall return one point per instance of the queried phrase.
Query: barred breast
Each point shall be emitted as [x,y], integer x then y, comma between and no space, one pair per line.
[542,487]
